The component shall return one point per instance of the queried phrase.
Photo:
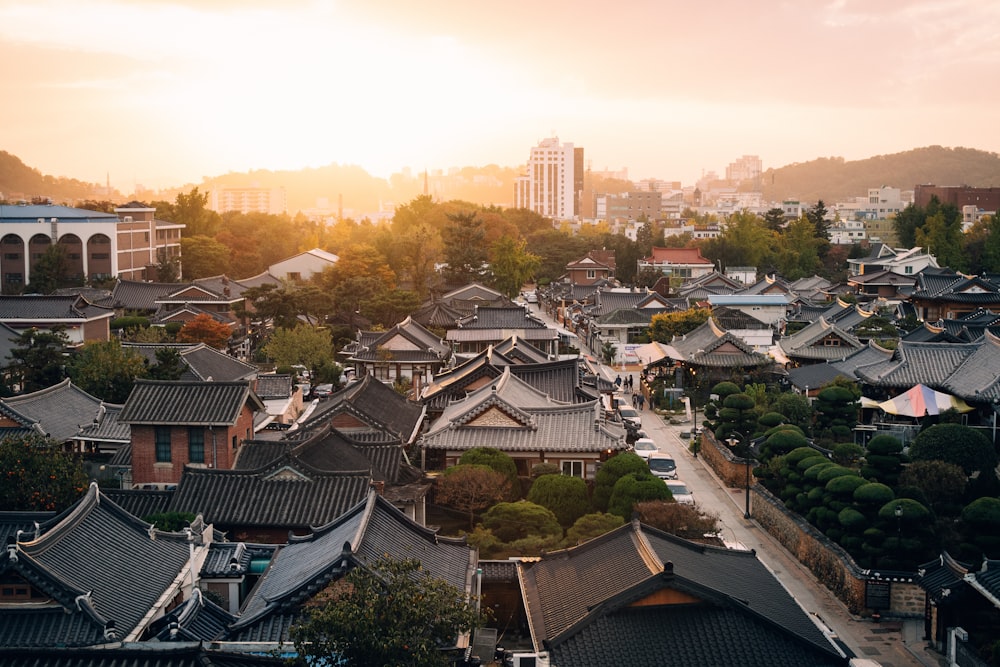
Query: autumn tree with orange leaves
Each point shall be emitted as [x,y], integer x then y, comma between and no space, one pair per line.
[205,329]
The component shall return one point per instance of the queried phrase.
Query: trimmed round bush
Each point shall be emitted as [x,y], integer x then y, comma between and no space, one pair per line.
[784,442]
[873,493]
[828,473]
[784,427]
[771,419]
[844,486]
[954,443]
[885,445]
[852,519]
[811,472]
[810,461]
[793,457]
[565,495]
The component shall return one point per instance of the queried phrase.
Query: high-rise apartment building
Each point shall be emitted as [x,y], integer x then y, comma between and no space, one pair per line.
[553,186]
[248,200]
[746,169]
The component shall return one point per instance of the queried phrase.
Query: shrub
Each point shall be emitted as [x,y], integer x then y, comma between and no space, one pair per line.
[566,496]
[954,443]
[590,526]
[633,488]
[611,471]
[847,454]
[515,521]
[497,460]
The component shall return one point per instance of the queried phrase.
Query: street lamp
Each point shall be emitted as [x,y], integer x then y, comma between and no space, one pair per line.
[745,440]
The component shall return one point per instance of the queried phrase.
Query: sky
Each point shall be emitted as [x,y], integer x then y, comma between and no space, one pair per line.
[165,93]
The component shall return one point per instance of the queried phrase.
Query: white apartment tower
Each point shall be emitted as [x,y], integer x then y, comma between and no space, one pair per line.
[553,186]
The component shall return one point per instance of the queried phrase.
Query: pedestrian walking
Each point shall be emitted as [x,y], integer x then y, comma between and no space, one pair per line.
[642,401]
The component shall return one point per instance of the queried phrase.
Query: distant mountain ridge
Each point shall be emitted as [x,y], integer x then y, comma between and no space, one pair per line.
[834,179]
[358,193]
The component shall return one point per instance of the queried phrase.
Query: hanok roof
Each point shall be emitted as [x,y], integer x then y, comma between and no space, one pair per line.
[197,619]
[439,315]
[141,502]
[513,318]
[473,292]
[203,361]
[943,580]
[330,450]
[511,415]
[100,565]
[285,494]
[732,318]
[28,523]
[155,402]
[60,411]
[187,312]
[520,351]
[951,287]
[970,371]
[607,595]
[708,345]
[141,654]
[35,308]
[561,380]
[363,535]
[605,301]
[135,295]
[602,259]
[106,428]
[214,289]
[274,386]
[369,405]
[813,342]
[406,342]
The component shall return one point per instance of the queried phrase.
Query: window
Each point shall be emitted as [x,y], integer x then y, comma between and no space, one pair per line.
[572,468]
[162,438]
[196,444]
[591,273]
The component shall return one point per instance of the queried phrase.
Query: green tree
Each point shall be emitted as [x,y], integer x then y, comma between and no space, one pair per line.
[465,252]
[511,522]
[39,359]
[168,267]
[191,210]
[610,472]
[774,219]
[389,612]
[511,265]
[565,495]
[38,475]
[816,215]
[168,365]
[664,326]
[309,346]
[592,525]
[106,370]
[170,522]
[836,411]
[51,271]
[941,234]
[471,488]
[634,488]
[943,484]
[800,253]
[954,443]
[203,256]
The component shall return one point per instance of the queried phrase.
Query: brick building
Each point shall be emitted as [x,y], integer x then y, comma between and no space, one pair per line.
[176,424]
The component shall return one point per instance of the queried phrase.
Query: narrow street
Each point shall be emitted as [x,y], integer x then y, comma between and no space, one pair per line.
[890,645]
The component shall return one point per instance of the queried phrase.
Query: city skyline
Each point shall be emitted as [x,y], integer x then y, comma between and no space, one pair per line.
[160,94]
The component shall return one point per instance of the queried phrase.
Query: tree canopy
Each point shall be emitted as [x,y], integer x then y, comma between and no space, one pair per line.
[38,475]
[391,612]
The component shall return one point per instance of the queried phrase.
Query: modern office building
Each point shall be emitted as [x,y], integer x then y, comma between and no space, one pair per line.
[553,186]
[97,245]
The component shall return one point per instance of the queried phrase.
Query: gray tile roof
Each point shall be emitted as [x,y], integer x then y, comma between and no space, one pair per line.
[12,522]
[374,403]
[270,385]
[286,494]
[520,351]
[155,402]
[60,410]
[197,619]
[369,531]
[933,364]
[223,556]
[809,343]
[522,418]
[408,341]
[56,309]
[708,345]
[106,428]
[571,594]
[141,654]
[140,502]
[512,318]
[330,450]
[99,562]
[135,295]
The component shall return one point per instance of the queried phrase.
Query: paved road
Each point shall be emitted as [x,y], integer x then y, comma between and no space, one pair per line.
[891,648]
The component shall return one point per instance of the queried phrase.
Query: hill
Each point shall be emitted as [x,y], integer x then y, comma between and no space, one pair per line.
[359,193]
[834,179]
[19,181]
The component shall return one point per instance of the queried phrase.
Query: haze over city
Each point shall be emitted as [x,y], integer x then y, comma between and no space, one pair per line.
[166,93]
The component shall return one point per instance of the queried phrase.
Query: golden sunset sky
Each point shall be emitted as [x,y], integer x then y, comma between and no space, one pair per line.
[164,93]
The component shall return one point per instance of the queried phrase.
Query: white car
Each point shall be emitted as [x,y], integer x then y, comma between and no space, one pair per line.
[662,466]
[680,491]
[645,447]
[630,416]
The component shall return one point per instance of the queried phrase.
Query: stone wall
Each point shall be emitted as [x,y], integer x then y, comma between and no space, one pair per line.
[827,560]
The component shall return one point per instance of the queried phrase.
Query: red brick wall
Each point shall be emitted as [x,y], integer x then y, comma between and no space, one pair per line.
[145,469]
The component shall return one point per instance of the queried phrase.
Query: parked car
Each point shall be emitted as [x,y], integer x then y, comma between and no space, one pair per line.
[662,466]
[680,491]
[630,416]
[322,390]
[645,447]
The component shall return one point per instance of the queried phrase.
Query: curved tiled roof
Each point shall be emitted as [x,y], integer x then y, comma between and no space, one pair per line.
[155,402]
[60,410]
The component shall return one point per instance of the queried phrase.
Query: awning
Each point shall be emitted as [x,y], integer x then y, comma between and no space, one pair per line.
[921,400]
